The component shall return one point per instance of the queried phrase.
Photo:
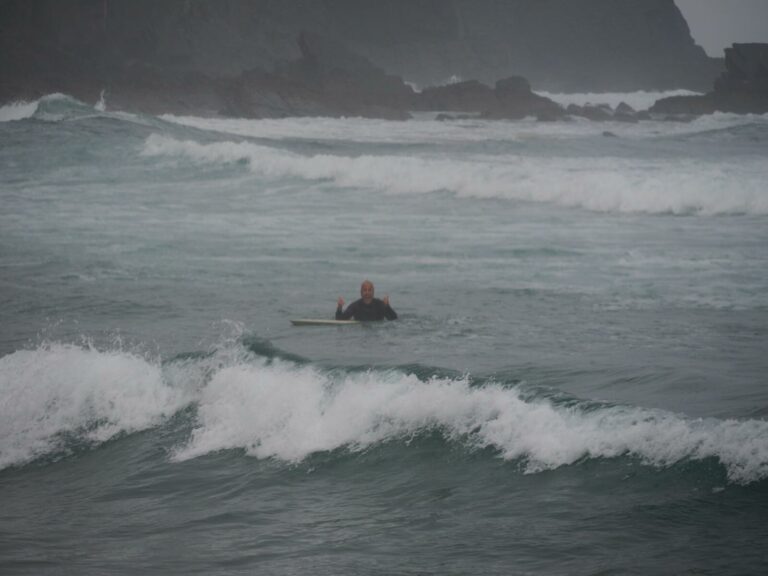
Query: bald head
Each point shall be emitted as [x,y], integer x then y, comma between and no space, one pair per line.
[366,291]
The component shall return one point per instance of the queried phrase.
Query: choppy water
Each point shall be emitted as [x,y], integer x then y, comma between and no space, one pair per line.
[576,383]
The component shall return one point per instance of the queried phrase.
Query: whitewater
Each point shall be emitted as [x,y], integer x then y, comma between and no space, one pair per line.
[575,383]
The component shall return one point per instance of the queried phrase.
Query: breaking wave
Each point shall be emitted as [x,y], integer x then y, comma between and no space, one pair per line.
[270,407]
[17,111]
[277,409]
[656,186]
[60,394]
[640,100]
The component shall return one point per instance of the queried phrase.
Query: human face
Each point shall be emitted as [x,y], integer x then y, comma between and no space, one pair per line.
[366,291]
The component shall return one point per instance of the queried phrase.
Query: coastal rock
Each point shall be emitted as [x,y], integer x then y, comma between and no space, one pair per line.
[560,46]
[625,113]
[594,112]
[85,46]
[511,98]
[683,106]
[347,78]
[327,80]
[741,89]
[604,113]
[515,99]
[259,94]
[468,96]
[513,88]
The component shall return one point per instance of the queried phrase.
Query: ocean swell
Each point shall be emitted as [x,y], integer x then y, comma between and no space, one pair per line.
[60,392]
[600,184]
[280,410]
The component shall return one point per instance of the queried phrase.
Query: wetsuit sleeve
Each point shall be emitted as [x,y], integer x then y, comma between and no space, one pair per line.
[389,313]
[346,314]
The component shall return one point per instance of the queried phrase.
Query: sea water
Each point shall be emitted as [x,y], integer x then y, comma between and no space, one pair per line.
[577,381]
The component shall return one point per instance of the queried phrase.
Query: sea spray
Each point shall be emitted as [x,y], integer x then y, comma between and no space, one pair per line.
[288,412]
[641,100]
[656,186]
[60,391]
[17,111]
[594,341]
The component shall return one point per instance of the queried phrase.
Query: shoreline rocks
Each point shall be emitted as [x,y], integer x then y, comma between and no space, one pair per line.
[511,98]
[741,89]
[328,78]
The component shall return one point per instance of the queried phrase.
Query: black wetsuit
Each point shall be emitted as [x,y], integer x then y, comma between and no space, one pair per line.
[359,310]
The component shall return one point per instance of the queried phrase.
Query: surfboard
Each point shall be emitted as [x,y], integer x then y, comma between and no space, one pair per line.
[322,322]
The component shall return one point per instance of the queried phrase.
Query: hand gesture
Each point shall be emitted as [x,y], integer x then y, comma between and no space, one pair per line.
[340,302]
[385,300]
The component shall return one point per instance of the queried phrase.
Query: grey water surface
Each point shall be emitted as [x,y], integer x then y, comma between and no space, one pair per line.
[576,383]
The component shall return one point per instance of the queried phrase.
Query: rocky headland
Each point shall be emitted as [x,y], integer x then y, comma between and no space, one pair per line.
[741,89]
[351,57]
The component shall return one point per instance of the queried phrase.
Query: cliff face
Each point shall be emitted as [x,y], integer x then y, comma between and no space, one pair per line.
[570,45]
[741,89]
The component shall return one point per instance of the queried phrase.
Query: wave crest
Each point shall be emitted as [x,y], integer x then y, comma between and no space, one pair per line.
[279,410]
[59,396]
[680,186]
[60,392]
[51,108]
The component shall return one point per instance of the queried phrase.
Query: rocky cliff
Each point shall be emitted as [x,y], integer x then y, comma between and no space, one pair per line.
[566,45]
[558,45]
[741,89]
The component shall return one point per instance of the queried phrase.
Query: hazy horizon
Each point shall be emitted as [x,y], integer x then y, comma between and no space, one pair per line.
[715,24]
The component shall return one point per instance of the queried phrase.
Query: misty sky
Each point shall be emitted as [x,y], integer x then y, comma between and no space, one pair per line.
[716,24]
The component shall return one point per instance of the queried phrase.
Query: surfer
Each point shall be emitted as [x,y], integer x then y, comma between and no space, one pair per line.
[367,307]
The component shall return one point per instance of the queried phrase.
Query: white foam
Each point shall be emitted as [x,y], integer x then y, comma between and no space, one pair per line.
[638,100]
[675,185]
[422,129]
[53,108]
[288,412]
[101,105]
[276,409]
[17,111]
[58,390]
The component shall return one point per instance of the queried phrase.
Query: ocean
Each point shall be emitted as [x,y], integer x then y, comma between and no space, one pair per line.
[577,382]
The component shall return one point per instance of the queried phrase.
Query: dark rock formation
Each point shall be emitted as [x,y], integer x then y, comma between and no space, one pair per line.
[327,80]
[559,45]
[594,112]
[681,106]
[604,113]
[469,96]
[742,88]
[259,94]
[83,46]
[516,100]
[345,80]
[511,98]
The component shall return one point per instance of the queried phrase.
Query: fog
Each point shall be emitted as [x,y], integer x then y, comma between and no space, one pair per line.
[716,24]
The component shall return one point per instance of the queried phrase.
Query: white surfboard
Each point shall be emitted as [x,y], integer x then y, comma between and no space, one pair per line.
[322,322]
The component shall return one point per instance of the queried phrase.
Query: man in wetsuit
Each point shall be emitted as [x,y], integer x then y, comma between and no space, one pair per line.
[367,308]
